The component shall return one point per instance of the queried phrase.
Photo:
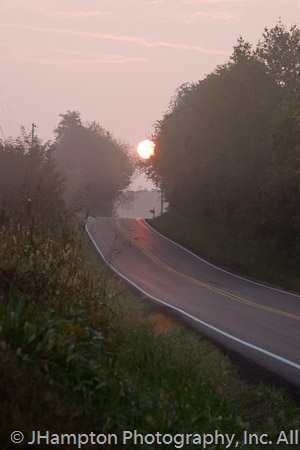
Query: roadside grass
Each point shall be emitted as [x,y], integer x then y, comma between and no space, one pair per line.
[80,353]
[256,260]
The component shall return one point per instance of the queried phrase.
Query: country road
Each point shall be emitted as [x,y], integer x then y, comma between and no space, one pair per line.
[259,322]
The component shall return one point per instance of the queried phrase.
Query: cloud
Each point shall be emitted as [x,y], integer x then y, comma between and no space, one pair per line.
[131,39]
[156,2]
[84,14]
[62,57]
[209,16]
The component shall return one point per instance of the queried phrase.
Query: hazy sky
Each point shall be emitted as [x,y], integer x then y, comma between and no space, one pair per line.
[118,62]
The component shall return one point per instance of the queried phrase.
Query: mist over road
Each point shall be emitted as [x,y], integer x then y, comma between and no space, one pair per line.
[259,322]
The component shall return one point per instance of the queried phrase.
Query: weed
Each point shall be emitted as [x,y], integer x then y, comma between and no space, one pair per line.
[80,352]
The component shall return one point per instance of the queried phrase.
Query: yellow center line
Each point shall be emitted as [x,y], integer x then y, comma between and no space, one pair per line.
[200,283]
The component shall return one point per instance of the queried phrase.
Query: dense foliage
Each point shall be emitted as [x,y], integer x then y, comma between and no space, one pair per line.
[97,167]
[30,184]
[79,354]
[229,146]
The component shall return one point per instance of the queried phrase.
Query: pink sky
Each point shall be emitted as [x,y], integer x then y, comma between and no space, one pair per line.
[118,62]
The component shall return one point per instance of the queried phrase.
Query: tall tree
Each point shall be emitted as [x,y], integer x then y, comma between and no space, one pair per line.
[211,147]
[100,164]
[281,193]
[279,50]
[229,145]
[29,180]
[242,51]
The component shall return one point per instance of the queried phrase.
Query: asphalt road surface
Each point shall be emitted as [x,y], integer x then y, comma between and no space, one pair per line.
[261,323]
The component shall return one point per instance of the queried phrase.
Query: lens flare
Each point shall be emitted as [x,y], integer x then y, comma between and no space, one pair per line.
[146,149]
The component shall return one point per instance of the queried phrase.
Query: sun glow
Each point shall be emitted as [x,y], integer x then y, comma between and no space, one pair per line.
[146,149]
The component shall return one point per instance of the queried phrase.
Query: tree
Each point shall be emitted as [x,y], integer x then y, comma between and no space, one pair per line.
[211,147]
[281,193]
[101,163]
[29,180]
[228,148]
[279,50]
[242,51]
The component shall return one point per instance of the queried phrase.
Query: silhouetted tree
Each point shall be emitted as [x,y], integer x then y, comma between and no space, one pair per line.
[211,148]
[242,51]
[29,180]
[229,146]
[279,50]
[96,166]
[281,193]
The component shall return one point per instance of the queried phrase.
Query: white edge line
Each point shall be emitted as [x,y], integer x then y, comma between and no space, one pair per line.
[217,330]
[216,267]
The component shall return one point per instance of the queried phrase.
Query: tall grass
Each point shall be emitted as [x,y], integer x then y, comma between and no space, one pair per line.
[80,354]
[53,308]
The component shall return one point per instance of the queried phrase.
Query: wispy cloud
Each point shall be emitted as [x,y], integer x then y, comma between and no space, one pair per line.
[156,2]
[84,14]
[208,16]
[131,39]
[63,57]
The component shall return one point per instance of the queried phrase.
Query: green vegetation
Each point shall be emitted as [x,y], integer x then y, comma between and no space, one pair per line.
[227,151]
[80,354]
[30,184]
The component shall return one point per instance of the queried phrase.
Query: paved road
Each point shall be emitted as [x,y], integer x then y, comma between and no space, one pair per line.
[259,322]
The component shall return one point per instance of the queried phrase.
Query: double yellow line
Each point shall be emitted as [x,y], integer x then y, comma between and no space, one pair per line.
[200,283]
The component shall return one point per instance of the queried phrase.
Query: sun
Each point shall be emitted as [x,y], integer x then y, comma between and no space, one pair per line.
[146,149]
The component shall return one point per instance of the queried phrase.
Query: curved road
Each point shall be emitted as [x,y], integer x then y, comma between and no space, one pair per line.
[259,322]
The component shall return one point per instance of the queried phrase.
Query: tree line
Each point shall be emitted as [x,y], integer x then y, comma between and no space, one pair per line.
[83,169]
[228,148]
